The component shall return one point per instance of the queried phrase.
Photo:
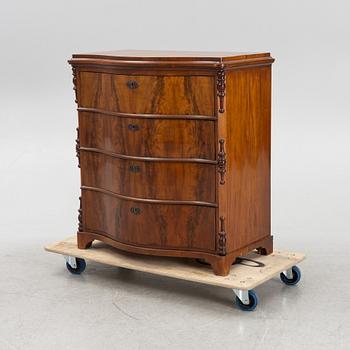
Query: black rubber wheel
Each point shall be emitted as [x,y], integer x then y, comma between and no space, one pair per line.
[81,265]
[253,302]
[294,280]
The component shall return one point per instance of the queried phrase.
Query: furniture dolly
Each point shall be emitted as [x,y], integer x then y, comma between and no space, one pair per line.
[249,271]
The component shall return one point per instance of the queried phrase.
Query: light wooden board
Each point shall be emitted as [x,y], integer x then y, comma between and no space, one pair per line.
[241,276]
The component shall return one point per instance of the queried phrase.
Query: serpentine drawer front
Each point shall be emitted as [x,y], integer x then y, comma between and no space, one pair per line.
[149,179]
[174,153]
[148,137]
[149,224]
[147,94]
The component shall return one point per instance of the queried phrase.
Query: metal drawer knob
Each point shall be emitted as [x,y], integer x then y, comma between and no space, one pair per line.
[135,210]
[132,84]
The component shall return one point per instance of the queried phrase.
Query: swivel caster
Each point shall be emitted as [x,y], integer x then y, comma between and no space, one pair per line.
[291,276]
[246,300]
[75,265]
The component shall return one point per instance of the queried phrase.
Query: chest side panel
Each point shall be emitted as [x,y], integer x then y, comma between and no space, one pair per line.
[248,113]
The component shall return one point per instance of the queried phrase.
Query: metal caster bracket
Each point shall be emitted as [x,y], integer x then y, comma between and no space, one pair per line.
[71,260]
[242,295]
[288,273]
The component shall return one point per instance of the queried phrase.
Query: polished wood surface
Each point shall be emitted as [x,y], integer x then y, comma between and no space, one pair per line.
[148,137]
[158,180]
[166,55]
[150,94]
[159,55]
[153,225]
[174,152]
[248,104]
[169,60]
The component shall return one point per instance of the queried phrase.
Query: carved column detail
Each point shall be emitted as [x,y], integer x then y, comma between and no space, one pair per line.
[77,147]
[222,237]
[74,71]
[221,87]
[222,161]
[80,217]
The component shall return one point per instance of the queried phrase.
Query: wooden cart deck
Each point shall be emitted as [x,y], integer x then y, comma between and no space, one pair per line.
[243,277]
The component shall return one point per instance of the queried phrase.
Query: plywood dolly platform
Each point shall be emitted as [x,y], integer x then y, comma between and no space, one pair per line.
[250,271]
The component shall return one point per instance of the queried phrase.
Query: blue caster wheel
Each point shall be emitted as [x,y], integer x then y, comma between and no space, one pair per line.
[81,265]
[296,275]
[253,302]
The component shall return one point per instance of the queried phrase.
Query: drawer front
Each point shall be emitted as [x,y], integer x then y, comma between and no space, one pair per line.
[149,179]
[188,227]
[181,95]
[148,137]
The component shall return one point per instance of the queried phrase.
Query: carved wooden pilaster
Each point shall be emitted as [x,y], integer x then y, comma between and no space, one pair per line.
[77,147]
[222,237]
[80,217]
[222,161]
[221,87]
[74,71]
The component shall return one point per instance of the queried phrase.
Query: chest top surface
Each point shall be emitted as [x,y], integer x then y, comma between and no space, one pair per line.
[156,57]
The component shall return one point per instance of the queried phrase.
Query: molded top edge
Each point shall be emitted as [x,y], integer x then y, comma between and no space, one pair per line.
[172,60]
[155,55]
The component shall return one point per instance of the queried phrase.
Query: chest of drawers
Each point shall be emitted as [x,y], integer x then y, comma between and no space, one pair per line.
[174,153]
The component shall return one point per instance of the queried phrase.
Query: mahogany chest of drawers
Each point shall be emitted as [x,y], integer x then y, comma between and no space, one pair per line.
[174,153]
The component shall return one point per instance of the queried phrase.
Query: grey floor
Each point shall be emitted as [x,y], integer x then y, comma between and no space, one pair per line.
[42,306]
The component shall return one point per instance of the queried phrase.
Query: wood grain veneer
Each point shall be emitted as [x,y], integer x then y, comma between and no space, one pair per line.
[248,104]
[149,224]
[153,94]
[154,179]
[148,137]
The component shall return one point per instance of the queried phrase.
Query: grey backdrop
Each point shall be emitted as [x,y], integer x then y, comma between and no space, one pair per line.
[39,185]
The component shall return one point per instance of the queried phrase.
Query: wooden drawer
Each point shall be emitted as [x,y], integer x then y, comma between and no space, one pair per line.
[149,179]
[181,95]
[148,137]
[187,227]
